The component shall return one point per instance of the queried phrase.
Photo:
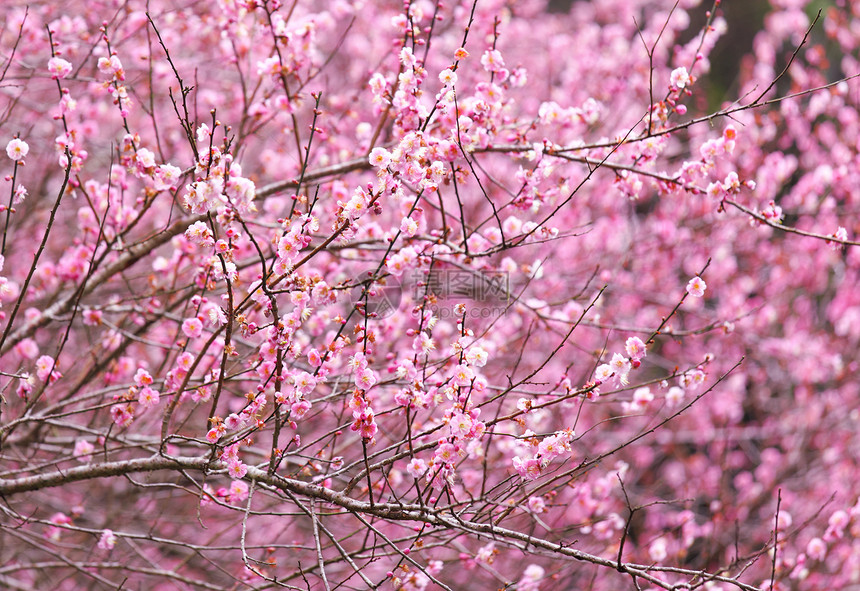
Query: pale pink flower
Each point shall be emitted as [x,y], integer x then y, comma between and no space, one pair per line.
[460,425]
[487,553]
[531,578]
[222,246]
[377,84]
[207,496]
[27,348]
[111,66]
[696,287]
[524,405]
[674,396]
[635,348]
[492,60]
[304,382]
[142,378]
[232,421]
[537,504]
[463,375]
[641,398]
[107,540]
[44,365]
[657,551]
[380,157]
[145,159]
[732,184]
[167,176]
[836,525]
[357,205]
[17,149]
[300,409]
[772,213]
[409,226]
[399,262]
[365,379]
[816,549]
[184,361]
[237,469]
[199,233]
[192,327]
[840,234]
[711,148]
[528,469]
[238,491]
[620,367]
[20,194]
[357,362]
[215,433]
[551,447]
[148,397]
[679,78]
[446,453]
[448,77]
[714,190]
[603,372]
[122,416]
[59,68]
[55,531]
[368,431]
[83,449]
[477,356]
[692,379]
[416,468]
[423,343]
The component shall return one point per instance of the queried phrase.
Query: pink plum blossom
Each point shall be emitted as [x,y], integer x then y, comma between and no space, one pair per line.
[696,287]
[17,149]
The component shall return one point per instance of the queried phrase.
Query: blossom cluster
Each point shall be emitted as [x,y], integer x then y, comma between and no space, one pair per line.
[389,295]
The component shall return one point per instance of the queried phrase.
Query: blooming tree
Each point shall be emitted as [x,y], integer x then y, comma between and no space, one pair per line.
[424,294]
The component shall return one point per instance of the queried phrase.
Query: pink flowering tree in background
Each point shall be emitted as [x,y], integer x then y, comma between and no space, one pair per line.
[428,295]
